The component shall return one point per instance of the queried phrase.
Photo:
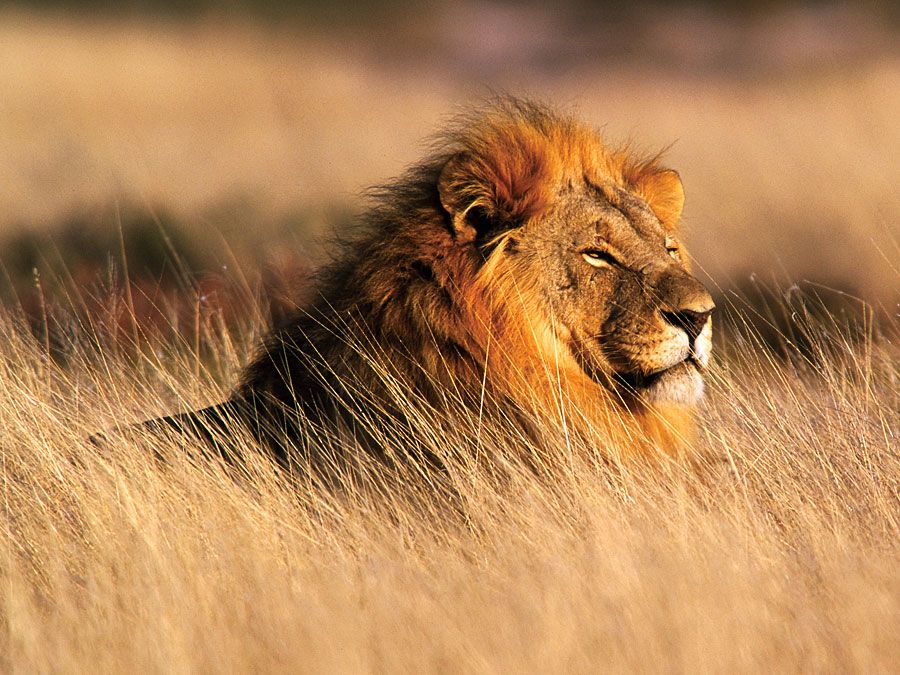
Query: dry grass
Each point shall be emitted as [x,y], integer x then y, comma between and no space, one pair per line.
[778,552]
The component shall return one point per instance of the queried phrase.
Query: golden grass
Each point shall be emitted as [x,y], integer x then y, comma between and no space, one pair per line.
[777,552]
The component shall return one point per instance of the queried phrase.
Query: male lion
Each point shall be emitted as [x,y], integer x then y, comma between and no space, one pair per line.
[526,269]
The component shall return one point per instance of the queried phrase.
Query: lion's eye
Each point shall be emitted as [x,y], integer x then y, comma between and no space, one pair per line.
[598,258]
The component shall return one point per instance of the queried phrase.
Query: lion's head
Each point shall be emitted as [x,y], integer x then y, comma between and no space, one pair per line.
[582,256]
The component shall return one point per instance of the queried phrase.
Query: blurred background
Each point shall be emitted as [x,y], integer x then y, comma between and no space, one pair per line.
[182,153]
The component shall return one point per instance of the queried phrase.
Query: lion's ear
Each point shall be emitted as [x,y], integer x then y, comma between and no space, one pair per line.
[467,200]
[486,194]
[664,193]
[457,196]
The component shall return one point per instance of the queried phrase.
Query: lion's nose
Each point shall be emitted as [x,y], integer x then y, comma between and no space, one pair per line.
[691,321]
[684,301]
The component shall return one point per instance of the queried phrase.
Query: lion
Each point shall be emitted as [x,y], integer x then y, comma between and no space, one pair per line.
[525,264]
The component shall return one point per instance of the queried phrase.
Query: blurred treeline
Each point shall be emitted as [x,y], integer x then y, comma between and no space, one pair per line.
[349,12]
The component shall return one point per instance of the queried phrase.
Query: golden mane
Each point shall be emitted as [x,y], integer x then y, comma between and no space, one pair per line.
[515,154]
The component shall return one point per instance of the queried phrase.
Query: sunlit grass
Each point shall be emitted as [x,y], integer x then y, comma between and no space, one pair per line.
[777,549]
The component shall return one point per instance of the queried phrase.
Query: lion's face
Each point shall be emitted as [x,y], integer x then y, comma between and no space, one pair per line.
[582,252]
[618,292]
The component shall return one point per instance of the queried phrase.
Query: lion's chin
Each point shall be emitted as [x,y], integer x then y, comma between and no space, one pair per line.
[682,384]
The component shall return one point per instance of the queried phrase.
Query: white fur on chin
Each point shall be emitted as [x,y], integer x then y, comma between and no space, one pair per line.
[680,385]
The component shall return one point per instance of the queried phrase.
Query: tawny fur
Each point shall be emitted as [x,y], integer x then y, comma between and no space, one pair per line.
[443,292]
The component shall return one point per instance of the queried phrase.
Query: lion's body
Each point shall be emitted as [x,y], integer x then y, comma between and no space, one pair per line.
[470,283]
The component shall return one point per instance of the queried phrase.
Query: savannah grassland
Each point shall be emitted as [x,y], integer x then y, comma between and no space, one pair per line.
[776,550]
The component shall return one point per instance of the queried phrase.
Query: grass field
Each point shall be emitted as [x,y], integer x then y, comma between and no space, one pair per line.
[169,183]
[778,551]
